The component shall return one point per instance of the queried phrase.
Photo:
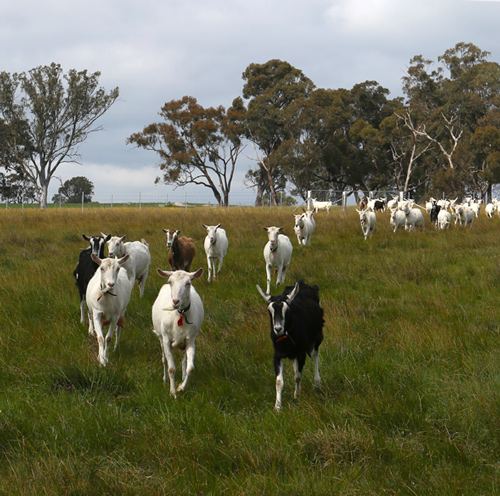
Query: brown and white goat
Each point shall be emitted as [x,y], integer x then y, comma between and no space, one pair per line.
[181,250]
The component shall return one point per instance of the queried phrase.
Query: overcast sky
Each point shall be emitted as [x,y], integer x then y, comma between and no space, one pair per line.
[157,51]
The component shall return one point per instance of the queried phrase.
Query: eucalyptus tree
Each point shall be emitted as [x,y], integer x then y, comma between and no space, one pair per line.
[196,145]
[269,89]
[49,114]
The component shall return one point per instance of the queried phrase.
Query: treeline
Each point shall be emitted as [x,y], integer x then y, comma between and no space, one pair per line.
[442,137]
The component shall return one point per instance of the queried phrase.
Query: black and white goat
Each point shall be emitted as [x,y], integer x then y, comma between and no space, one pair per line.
[296,331]
[86,266]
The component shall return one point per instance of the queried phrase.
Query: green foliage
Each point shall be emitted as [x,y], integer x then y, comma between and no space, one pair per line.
[72,189]
[410,390]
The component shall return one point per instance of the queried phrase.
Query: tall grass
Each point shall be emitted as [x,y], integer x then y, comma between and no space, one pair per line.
[410,398]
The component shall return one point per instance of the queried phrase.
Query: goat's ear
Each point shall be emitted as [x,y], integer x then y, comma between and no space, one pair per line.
[123,259]
[104,236]
[165,230]
[85,237]
[107,238]
[264,295]
[203,225]
[164,273]
[123,238]
[280,229]
[266,228]
[195,275]
[293,294]
[96,259]
[217,226]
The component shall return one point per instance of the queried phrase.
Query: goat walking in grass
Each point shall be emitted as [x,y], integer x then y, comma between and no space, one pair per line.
[303,229]
[108,295]
[181,250]
[296,331]
[215,245]
[277,254]
[177,317]
[86,267]
[137,266]
[367,219]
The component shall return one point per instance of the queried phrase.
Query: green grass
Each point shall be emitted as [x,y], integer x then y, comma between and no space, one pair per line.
[410,397]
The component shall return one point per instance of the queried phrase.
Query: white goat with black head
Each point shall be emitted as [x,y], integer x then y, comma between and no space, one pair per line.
[277,254]
[177,317]
[296,331]
[108,295]
[215,245]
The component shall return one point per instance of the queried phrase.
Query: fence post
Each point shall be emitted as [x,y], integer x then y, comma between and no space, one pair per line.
[83,198]
[308,200]
[344,200]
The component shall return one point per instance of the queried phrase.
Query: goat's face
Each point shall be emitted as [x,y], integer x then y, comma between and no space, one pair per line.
[180,286]
[115,246]
[97,243]
[170,235]
[108,271]
[363,218]
[299,221]
[278,307]
[212,233]
[272,234]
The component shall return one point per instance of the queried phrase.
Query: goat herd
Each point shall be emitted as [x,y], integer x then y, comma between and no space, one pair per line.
[407,214]
[105,285]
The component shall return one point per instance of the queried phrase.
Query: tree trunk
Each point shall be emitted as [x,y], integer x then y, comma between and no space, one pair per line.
[44,192]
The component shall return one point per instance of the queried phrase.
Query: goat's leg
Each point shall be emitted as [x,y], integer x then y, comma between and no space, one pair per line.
[107,341]
[268,273]
[168,365]
[117,339]
[209,263]
[298,376]
[317,378]
[278,368]
[283,274]
[82,310]
[221,259]
[97,326]
[187,366]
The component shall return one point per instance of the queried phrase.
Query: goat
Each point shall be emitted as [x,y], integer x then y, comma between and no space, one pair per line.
[86,267]
[108,295]
[216,248]
[363,203]
[398,219]
[181,250]
[465,215]
[177,317]
[377,204]
[277,254]
[391,204]
[310,215]
[368,219]
[491,208]
[414,218]
[137,266]
[434,212]
[303,229]
[443,219]
[296,330]
[321,205]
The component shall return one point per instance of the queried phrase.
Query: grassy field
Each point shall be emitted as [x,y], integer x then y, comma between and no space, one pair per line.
[410,398]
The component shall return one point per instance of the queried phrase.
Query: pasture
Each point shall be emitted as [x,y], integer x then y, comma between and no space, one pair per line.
[410,365]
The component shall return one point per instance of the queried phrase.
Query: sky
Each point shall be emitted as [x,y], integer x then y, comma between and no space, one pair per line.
[158,51]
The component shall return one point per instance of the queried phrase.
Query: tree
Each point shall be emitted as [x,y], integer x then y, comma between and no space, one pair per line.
[196,145]
[270,88]
[49,115]
[72,189]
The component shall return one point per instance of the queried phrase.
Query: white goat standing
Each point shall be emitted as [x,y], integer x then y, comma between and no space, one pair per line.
[107,297]
[398,219]
[303,229]
[414,217]
[368,219]
[215,246]
[177,317]
[137,265]
[277,254]
[443,219]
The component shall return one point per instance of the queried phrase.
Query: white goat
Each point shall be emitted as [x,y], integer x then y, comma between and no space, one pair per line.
[491,208]
[398,219]
[177,317]
[368,219]
[321,205]
[137,266]
[303,229]
[277,254]
[414,218]
[107,297]
[216,248]
[443,219]
[393,203]
[465,215]
[310,215]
